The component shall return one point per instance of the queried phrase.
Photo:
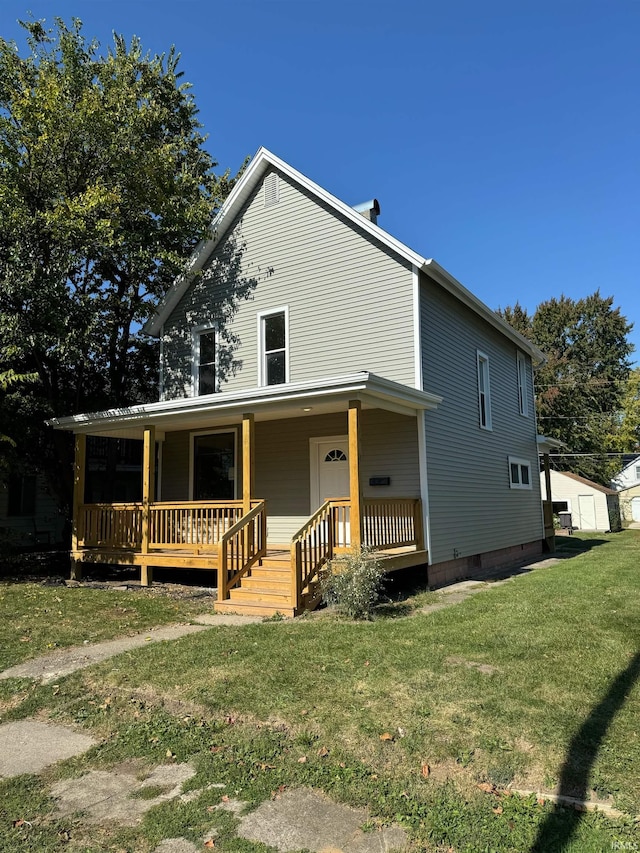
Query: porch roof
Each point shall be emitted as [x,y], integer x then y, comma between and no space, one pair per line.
[273,402]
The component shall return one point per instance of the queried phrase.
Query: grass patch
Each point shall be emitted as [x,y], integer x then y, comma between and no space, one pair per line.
[35,618]
[527,683]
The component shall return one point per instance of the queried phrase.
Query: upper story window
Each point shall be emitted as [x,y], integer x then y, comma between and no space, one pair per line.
[484,390]
[523,402]
[637,472]
[204,361]
[519,473]
[273,335]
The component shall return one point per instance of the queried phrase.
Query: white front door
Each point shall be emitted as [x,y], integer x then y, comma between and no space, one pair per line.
[635,509]
[587,512]
[330,476]
[329,469]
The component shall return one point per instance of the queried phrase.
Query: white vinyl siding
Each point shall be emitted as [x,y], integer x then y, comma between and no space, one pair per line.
[472,508]
[350,299]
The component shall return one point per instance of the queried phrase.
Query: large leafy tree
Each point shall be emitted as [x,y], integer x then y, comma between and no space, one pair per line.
[105,189]
[580,388]
[628,433]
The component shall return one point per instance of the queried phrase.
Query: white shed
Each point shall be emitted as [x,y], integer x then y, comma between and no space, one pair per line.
[592,506]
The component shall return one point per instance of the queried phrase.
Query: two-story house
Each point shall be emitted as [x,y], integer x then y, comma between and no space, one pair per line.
[322,386]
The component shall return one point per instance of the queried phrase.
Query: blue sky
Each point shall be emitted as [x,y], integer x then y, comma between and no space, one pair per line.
[501,138]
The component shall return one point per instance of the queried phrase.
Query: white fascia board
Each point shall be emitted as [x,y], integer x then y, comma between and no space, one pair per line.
[357,384]
[446,280]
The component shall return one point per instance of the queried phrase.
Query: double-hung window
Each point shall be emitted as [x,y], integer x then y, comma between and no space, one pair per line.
[519,473]
[204,361]
[273,335]
[523,403]
[484,390]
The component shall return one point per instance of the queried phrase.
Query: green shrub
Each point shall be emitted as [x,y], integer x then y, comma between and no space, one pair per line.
[352,583]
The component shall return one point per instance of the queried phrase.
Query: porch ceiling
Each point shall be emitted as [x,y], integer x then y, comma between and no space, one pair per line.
[271,403]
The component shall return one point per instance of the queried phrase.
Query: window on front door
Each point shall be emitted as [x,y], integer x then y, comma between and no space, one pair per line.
[274,346]
[214,466]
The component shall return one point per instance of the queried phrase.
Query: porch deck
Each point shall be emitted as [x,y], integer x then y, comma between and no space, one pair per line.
[252,576]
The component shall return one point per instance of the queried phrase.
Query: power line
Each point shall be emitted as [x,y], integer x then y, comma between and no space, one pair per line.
[592,455]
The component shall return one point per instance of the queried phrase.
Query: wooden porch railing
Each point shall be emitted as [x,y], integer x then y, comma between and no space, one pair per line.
[241,546]
[313,546]
[387,523]
[392,523]
[117,525]
[190,525]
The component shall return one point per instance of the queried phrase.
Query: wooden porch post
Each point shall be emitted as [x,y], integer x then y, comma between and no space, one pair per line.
[248,467]
[77,533]
[355,489]
[547,474]
[148,490]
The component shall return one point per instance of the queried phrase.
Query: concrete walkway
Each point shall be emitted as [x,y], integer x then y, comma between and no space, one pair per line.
[57,664]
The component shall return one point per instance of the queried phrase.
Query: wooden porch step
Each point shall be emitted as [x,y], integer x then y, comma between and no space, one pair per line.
[268,583]
[277,565]
[253,609]
[260,596]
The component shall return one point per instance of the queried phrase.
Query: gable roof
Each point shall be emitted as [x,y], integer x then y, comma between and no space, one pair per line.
[264,161]
[629,460]
[585,482]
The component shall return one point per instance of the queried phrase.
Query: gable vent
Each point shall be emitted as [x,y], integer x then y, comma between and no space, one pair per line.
[271,189]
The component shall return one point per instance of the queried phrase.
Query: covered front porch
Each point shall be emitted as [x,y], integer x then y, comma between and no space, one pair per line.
[268,544]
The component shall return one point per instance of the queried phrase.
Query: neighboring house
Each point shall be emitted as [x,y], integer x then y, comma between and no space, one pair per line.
[592,506]
[29,515]
[630,503]
[322,386]
[630,474]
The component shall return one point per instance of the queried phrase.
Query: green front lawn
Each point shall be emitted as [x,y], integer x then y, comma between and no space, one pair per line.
[532,684]
[37,618]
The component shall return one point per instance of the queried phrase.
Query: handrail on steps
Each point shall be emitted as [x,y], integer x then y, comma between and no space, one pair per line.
[311,547]
[241,546]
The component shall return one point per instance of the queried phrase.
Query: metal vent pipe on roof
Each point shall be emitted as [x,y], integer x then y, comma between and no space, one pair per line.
[369,209]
